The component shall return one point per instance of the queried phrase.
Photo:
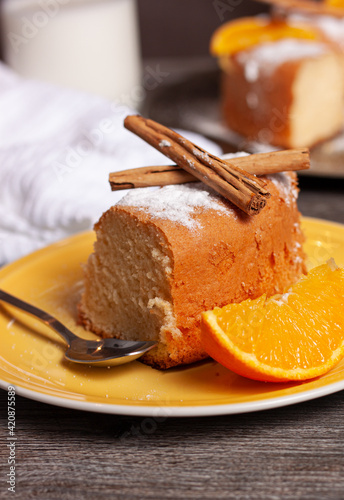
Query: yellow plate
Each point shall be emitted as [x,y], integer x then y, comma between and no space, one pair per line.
[31,356]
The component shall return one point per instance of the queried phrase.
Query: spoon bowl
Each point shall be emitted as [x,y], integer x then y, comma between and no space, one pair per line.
[106,352]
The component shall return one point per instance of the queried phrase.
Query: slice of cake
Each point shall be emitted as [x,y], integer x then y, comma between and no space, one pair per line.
[280,86]
[162,257]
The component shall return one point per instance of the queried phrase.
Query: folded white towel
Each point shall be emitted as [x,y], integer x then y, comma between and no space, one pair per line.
[57,148]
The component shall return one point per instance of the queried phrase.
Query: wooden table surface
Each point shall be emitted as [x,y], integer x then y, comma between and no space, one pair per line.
[291,453]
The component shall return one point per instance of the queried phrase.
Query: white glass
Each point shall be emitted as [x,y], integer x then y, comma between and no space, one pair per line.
[91,45]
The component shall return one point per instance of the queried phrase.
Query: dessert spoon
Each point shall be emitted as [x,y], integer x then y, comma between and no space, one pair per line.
[105,352]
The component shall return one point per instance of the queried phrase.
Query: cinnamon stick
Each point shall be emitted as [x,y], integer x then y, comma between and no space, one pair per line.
[149,176]
[309,6]
[258,164]
[241,188]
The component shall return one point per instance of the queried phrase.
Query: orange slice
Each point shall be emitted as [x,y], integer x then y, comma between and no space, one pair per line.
[295,336]
[247,32]
[335,3]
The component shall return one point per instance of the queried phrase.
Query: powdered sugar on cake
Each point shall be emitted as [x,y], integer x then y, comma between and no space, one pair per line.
[332,27]
[285,185]
[176,203]
[268,56]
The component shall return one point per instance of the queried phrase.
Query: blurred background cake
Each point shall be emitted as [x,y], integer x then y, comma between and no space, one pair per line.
[282,81]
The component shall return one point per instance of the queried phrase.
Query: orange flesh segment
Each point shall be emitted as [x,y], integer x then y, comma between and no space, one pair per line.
[335,3]
[293,337]
[246,33]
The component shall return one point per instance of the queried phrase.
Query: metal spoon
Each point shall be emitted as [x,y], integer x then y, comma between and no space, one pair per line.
[105,352]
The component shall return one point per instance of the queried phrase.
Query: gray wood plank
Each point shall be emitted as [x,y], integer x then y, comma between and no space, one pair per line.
[293,452]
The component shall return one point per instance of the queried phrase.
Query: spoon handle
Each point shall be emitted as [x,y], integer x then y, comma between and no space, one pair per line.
[46,318]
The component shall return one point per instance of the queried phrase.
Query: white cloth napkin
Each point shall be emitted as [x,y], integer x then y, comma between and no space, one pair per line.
[57,148]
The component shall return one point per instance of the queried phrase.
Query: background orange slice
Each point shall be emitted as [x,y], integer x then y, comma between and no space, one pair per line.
[247,32]
[335,3]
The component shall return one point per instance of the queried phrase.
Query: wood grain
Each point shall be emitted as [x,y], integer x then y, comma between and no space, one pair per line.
[289,453]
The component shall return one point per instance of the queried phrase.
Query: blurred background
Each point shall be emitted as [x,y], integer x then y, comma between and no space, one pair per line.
[105,46]
[182,28]
[168,28]
[151,55]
